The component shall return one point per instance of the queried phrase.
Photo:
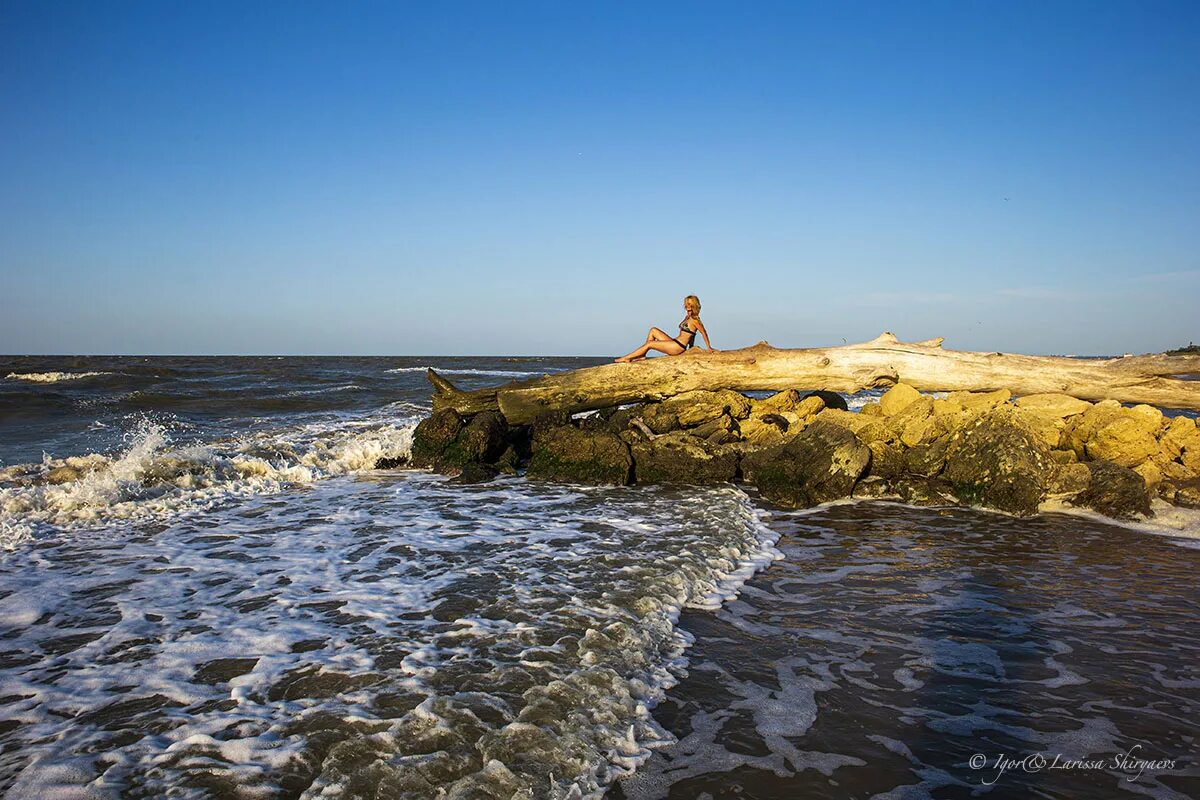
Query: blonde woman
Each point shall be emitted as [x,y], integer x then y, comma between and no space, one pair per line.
[660,340]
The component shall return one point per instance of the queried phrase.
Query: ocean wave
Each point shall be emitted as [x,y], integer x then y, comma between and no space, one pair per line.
[371,639]
[52,377]
[153,475]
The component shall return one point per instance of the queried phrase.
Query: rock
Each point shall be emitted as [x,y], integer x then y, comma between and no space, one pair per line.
[1174,471]
[564,453]
[898,398]
[389,462]
[924,491]
[509,461]
[621,418]
[1085,425]
[822,463]
[660,419]
[722,424]
[476,473]
[1150,415]
[813,404]
[927,460]
[997,462]
[923,431]
[682,458]
[871,410]
[1115,491]
[887,461]
[872,487]
[1187,495]
[433,436]
[830,399]
[764,430]
[1070,479]
[1054,405]
[911,419]
[980,401]
[484,438]
[1181,439]
[1127,440]
[944,407]
[1064,456]
[1150,473]
[868,429]
[693,408]
[1048,428]
[787,400]
[63,474]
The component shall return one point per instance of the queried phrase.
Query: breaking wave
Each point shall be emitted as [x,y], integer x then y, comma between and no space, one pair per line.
[503,373]
[52,377]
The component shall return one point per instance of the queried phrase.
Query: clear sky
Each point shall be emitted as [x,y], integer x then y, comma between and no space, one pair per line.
[553,178]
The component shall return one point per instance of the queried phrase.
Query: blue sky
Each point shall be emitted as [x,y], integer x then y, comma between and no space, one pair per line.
[553,178]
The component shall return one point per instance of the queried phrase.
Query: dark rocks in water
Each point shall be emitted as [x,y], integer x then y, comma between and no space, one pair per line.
[821,463]
[918,491]
[476,473]
[566,453]
[997,462]
[388,462]
[1115,491]
[683,458]
[832,399]
[433,436]
[887,461]
[484,438]
[872,487]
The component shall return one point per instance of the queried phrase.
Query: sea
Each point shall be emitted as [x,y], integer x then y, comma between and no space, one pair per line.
[230,601]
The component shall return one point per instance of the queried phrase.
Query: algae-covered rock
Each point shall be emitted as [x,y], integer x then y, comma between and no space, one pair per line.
[433,436]
[484,437]
[1070,479]
[683,458]
[928,459]
[997,462]
[1115,491]
[822,463]
[887,460]
[565,453]
[919,491]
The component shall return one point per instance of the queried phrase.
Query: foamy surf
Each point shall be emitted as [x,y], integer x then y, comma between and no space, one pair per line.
[154,476]
[399,635]
[52,377]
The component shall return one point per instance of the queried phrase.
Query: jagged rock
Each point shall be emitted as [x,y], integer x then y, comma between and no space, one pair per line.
[822,463]
[1187,495]
[722,424]
[1049,428]
[1082,427]
[694,408]
[766,430]
[787,400]
[434,436]
[887,461]
[829,399]
[682,458]
[63,474]
[997,462]
[868,429]
[564,453]
[919,491]
[659,419]
[1064,457]
[980,401]
[621,418]
[389,462]
[1127,440]
[1180,440]
[1049,404]
[1115,491]
[927,460]
[871,410]
[509,461]
[1150,473]
[943,406]
[911,419]
[898,398]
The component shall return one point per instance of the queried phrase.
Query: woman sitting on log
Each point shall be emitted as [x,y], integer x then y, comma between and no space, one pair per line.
[658,339]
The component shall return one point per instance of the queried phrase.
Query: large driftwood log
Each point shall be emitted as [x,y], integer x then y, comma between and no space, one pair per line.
[881,362]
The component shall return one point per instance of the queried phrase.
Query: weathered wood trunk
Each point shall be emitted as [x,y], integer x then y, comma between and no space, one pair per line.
[881,362]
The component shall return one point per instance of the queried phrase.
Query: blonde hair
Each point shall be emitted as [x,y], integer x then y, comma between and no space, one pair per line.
[691,298]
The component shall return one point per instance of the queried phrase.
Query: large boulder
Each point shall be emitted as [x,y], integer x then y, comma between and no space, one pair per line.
[919,491]
[980,401]
[822,463]
[682,458]
[484,437]
[828,399]
[1127,440]
[997,462]
[1115,491]
[1180,441]
[434,436]
[565,453]
[898,398]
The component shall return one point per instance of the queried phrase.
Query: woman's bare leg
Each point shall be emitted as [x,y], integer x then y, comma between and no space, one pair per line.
[668,346]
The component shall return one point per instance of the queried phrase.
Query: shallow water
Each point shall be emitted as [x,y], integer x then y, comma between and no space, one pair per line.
[232,603]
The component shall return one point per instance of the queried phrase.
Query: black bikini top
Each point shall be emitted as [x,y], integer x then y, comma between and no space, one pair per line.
[683,326]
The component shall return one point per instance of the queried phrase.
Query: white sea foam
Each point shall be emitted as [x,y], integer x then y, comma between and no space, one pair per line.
[1167,519]
[500,640]
[155,476]
[52,377]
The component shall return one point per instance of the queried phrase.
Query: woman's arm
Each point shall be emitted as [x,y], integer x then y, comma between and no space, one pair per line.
[704,333]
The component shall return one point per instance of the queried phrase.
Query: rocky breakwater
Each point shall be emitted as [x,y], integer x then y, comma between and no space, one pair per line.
[975,448]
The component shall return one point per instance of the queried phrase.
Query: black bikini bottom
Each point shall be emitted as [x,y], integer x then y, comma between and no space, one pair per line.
[681,344]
